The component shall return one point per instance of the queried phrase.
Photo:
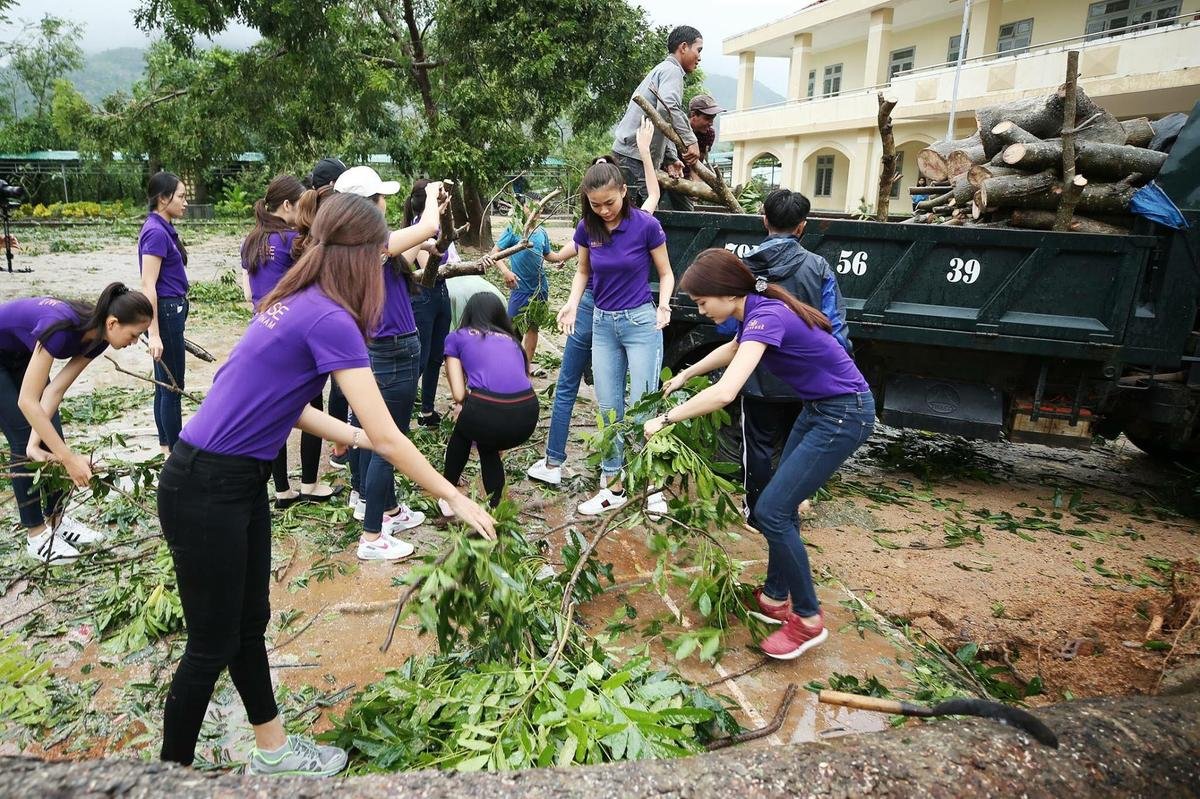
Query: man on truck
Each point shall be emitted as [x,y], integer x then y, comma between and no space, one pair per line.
[662,88]
[702,113]
[770,406]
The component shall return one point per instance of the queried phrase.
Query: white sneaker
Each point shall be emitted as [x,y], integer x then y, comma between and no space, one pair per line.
[360,509]
[76,533]
[656,505]
[444,507]
[603,502]
[383,548]
[352,501]
[403,519]
[547,474]
[405,547]
[55,551]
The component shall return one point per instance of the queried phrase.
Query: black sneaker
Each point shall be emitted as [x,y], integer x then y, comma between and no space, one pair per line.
[431,419]
[340,461]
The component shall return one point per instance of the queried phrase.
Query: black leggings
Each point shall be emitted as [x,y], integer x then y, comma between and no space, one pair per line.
[310,457]
[214,515]
[493,422]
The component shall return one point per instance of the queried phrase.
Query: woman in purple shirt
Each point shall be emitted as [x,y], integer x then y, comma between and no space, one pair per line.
[618,246]
[33,333]
[162,259]
[266,257]
[212,496]
[489,379]
[796,343]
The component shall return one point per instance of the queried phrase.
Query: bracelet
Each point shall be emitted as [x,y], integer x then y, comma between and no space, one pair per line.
[354,439]
[666,418]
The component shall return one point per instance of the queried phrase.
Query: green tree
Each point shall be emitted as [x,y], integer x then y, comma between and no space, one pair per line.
[50,52]
[477,87]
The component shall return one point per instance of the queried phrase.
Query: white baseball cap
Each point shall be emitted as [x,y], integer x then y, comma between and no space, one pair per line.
[365,182]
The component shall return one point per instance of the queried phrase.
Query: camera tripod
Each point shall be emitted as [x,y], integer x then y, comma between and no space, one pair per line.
[6,216]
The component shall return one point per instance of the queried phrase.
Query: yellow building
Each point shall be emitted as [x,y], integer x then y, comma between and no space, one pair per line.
[1137,58]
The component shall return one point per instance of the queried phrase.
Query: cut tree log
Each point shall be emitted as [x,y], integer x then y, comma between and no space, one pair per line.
[887,172]
[1100,161]
[1038,116]
[1044,220]
[1093,123]
[1138,132]
[1010,132]
[960,161]
[931,161]
[700,169]
[469,267]
[1009,190]
[934,201]
[689,188]
[977,174]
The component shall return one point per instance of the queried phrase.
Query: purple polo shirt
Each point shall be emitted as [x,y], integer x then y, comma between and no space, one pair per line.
[396,318]
[159,237]
[23,322]
[808,359]
[271,270]
[493,361]
[621,269]
[273,371]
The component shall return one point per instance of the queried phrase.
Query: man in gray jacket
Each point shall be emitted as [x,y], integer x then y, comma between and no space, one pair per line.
[662,88]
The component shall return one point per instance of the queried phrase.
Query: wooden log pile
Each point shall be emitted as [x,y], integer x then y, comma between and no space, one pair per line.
[1017,169]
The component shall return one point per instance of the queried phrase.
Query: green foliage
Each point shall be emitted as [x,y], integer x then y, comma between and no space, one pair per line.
[141,606]
[752,193]
[220,299]
[235,202]
[499,716]
[47,50]
[25,685]
[102,405]
[79,210]
[869,685]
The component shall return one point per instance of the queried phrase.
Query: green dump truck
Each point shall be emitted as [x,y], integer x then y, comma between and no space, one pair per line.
[1037,336]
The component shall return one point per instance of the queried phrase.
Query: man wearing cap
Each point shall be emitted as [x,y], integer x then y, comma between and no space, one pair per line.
[702,111]
[663,89]
[325,172]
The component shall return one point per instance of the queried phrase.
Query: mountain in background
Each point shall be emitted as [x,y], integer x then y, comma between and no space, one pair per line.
[724,89]
[109,71]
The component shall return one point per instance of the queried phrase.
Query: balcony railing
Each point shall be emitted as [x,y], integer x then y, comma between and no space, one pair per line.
[1082,42]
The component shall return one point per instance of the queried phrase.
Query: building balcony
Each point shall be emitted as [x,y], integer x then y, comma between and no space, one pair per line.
[1131,74]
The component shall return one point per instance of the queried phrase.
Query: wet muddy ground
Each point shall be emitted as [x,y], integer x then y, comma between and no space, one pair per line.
[1052,562]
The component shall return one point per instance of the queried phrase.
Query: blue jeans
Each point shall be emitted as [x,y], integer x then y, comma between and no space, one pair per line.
[30,498]
[826,433]
[394,361]
[577,355]
[168,408]
[624,342]
[431,310]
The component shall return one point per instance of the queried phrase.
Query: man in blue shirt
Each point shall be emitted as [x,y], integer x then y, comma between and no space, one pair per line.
[526,279]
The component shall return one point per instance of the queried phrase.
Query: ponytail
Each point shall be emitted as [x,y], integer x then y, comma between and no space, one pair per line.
[117,299]
[162,186]
[256,248]
[717,272]
[306,211]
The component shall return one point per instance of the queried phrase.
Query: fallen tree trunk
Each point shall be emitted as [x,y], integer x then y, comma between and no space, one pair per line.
[976,175]
[468,267]
[931,162]
[1044,220]
[1010,132]
[1096,198]
[887,171]
[1098,161]
[700,169]
[1130,746]
[1015,189]
[959,161]
[689,188]
[1093,123]
[1038,116]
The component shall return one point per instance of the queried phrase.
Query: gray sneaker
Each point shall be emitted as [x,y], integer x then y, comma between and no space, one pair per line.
[299,757]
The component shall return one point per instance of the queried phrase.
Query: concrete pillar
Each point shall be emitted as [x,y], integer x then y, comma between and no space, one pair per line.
[860,172]
[879,48]
[984,29]
[745,87]
[798,70]
[740,171]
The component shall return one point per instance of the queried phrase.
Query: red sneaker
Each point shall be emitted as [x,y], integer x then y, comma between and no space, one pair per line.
[794,638]
[771,614]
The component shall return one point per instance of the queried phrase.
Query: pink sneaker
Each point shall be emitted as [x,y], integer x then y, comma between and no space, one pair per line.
[770,614]
[794,638]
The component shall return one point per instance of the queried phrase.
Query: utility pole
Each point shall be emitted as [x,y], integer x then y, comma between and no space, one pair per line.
[962,54]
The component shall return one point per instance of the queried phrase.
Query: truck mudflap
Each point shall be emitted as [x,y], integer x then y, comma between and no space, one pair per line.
[944,406]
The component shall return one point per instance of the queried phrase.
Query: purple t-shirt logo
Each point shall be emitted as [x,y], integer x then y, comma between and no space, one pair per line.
[272,315]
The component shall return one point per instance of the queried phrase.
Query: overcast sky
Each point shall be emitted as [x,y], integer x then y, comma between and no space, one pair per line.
[109,23]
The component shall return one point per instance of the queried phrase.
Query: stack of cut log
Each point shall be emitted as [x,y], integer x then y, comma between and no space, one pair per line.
[1009,173]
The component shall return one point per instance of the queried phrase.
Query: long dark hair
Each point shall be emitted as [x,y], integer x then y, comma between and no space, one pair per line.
[599,176]
[717,272]
[255,249]
[162,186]
[117,299]
[342,258]
[306,211]
[414,203]
[485,313]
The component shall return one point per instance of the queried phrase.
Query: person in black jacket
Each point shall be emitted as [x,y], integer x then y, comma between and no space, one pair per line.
[770,406]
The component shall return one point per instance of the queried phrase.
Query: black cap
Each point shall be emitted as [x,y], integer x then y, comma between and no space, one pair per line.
[326,171]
